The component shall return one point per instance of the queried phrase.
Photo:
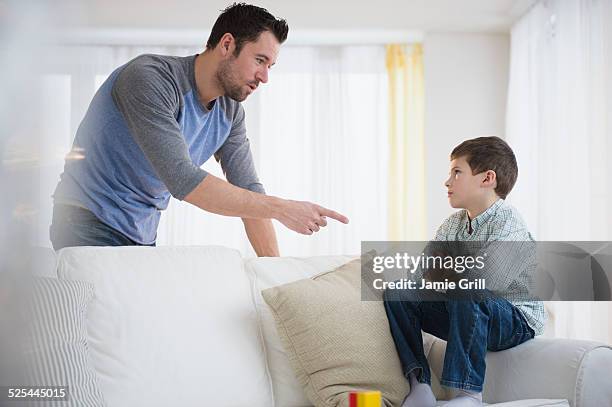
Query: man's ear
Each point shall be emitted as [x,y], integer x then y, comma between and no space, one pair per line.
[490,179]
[226,45]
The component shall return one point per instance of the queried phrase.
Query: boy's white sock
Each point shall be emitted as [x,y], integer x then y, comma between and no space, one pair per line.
[465,398]
[420,394]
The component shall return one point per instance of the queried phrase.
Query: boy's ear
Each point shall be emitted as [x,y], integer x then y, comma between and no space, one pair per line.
[490,179]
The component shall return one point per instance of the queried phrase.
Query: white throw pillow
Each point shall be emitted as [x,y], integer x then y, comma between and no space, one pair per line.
[270,272]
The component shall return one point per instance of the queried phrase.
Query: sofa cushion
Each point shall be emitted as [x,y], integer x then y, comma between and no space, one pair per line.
[335,342]
[267,272]
[543,368]
[171,326]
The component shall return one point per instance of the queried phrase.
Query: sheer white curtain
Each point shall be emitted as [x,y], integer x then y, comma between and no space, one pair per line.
[318,131]
[558,121]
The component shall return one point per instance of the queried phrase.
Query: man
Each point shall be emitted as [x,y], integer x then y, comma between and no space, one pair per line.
[151,126]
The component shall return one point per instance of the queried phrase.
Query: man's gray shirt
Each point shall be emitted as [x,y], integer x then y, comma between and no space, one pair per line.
[144,138]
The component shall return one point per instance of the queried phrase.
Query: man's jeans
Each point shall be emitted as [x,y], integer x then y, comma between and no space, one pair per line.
[75,226]
[470,328]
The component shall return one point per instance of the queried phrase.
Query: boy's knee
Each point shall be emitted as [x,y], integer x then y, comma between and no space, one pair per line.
[398,301]
[392,299]
[398,295]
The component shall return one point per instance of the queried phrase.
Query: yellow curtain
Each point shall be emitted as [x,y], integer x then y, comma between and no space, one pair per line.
[407,211]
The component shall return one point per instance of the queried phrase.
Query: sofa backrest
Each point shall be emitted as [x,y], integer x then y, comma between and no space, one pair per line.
[171,326]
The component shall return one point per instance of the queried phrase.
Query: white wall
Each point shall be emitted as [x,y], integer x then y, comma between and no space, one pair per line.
[431,15]
[466,79]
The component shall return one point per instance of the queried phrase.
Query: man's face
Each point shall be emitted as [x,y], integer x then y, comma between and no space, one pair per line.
[463,187]
[240,75]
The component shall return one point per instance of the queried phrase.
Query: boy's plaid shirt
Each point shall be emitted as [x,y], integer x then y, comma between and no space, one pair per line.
[500,222]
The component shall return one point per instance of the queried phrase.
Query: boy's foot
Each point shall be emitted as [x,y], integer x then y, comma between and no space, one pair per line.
[420,394]
[465,398]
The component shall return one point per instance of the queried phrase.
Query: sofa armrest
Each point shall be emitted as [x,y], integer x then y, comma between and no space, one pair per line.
[575,370]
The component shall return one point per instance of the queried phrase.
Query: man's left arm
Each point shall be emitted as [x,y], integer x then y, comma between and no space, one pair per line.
[238,167]
[262,236]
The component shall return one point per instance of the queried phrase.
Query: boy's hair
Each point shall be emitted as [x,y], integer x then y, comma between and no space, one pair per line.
[490,153]
[246,22]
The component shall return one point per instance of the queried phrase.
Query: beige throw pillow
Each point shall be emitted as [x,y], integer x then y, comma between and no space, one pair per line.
[335,342]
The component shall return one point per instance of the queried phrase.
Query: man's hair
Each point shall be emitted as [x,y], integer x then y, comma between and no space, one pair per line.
[490,153]
[246,22]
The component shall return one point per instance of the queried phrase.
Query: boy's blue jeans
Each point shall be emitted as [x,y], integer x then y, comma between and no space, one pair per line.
[470,328]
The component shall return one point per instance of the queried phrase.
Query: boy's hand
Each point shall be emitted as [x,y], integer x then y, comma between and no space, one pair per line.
[441,274]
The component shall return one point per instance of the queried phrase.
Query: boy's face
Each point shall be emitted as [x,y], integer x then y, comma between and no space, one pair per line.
[464,189]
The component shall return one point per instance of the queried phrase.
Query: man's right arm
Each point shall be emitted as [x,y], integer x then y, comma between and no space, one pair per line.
[147,101]
[218,196]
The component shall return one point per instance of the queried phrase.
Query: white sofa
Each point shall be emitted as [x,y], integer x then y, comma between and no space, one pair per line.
[187,326]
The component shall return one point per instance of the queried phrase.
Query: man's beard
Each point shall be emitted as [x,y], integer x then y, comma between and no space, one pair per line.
[226,77]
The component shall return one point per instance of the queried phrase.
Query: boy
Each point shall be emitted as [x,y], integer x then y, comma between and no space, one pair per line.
[482,173]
